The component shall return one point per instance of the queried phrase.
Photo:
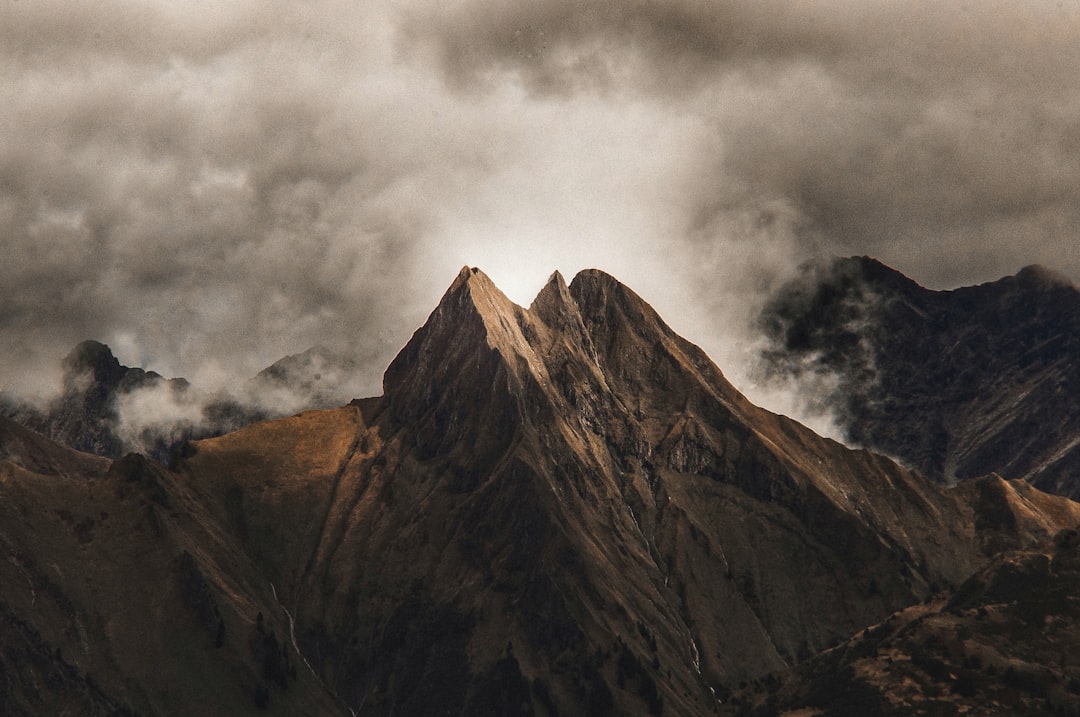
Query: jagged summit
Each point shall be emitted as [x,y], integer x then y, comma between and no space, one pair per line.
[95,358]
[957,383]
[578,480]
[597,329]
[559,509]
[554,304]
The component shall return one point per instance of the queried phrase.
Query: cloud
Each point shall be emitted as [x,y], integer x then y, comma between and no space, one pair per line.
[232,191]
[210,187]
[936,136]
[921,132]
[559,46]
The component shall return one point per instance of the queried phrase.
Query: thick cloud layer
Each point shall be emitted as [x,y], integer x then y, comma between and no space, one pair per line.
[209,187]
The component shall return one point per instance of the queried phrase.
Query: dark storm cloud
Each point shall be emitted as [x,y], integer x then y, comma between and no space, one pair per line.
[208,187]
[922,132]
[562,46]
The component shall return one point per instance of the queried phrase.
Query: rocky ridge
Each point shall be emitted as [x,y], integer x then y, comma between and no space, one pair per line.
[956,384]
[563,509]
[1004,643]
[109,409]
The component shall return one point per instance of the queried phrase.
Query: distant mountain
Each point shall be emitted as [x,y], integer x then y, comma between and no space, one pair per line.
[565,509]
[84,416]
[316,378]
[955,384]
[110,409]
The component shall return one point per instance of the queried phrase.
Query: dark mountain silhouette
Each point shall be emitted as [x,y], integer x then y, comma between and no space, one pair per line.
[103,407]
[564,509]
[84,416]
[956,384]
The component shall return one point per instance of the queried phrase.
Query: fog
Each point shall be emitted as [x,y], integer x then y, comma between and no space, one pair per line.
[208,188]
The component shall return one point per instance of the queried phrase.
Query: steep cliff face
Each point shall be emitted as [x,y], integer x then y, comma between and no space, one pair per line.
[956,384]
[573,495]
[565,509]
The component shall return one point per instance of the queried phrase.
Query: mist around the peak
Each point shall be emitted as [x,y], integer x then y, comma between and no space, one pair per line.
[208,189]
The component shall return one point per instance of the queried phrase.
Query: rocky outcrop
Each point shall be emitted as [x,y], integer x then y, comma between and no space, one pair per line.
[560,509]
[577,486]
[109,409]
[956,384]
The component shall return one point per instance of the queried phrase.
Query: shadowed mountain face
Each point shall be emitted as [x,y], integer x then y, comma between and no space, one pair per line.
[120,595]
[1006,643]
[564,509]
[956,384]
[570,507]
[110,409]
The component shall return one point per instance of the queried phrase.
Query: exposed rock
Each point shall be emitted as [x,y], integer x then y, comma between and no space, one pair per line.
[1005,643]
[565,509]
[576,479]
[101,408]
[956,384]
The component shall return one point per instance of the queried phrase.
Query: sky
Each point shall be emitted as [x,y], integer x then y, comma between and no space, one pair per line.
[207,187]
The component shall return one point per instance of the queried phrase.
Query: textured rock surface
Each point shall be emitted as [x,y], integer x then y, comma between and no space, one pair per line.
[956,384]
[578,482]
[1006,643]
[110,409]
[564,509]
[120,595]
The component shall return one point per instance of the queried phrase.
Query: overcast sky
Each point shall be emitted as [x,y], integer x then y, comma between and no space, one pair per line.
[210,186]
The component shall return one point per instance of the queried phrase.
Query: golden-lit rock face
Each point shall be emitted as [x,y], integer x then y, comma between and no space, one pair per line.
[564,509]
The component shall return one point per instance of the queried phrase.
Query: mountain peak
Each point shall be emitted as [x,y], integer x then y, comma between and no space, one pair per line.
[554,284]
[943,380]
[608,305]
[461,343]
[554,305]
[470,275]
[472,289]
[1041,277]
[573,480]
[93,357]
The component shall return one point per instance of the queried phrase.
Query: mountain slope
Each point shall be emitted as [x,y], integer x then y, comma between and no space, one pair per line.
[564,509]
[1005,643]
[957,384]
[118,595]
[567,508]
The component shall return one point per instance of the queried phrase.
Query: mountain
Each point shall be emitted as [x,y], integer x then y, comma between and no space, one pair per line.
[1005,643]
[84,416]
[110,409]
[565,509]
[119,596]
[317,378]
[955,384]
